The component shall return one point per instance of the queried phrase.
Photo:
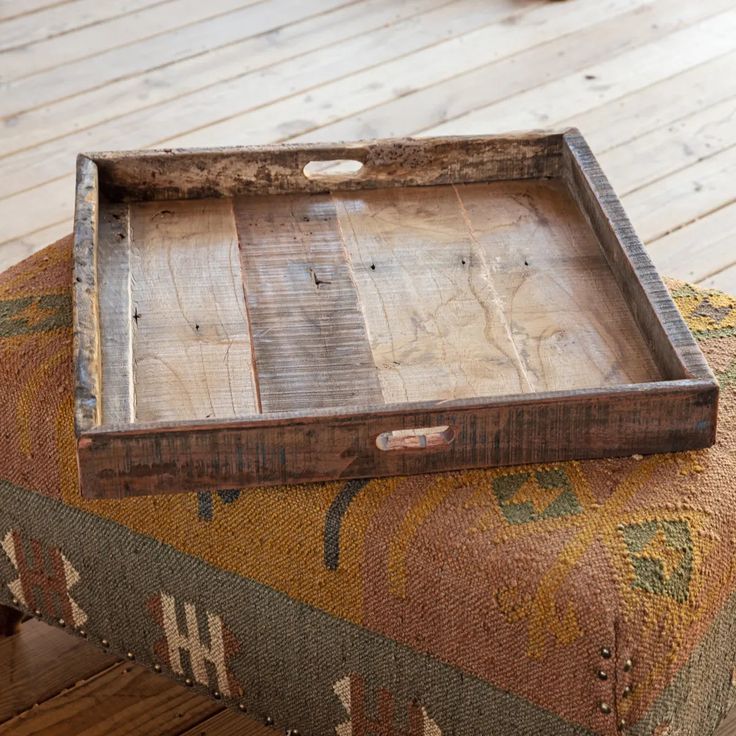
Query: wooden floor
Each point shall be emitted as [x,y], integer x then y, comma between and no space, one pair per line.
[651,83]
[54,683]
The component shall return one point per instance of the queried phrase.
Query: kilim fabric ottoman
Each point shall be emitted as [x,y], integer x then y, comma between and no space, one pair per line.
[579,598]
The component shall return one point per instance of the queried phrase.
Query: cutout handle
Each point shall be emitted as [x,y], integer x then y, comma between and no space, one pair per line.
[333,169]
[424,438]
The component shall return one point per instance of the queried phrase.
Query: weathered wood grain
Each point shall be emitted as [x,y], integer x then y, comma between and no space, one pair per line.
[127,700]
[401,162]
[429,294]
[190,343]
[308,330]
[568,319]
[86,309]
[291,448]
[649,300]
[503,317]
[113,264]
[39,662]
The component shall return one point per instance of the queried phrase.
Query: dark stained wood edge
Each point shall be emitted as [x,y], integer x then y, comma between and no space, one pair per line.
[222,172]
[306,418]
[574,425]
[646,294]
[86,317]
[136,459]
[10,619]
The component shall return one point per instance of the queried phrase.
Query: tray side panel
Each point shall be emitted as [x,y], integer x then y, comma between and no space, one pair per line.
[643,420]
[113,266]
[86,318]
[649,300]
[402,162]
[190,341]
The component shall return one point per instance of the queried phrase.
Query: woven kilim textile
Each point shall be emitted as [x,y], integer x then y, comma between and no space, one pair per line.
[578,598]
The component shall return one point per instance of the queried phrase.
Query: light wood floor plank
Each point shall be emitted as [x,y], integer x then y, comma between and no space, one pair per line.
[592,34]
[602,82]
[662,152]
[652,107]
[700,250]
[724,280]
[151,53]
[39,662]
[24,30]
[49,160]
[53,196]
[37,209]
[89,41]
[13,9]
[336,20]
[313,109]
[687,195]
[21,248]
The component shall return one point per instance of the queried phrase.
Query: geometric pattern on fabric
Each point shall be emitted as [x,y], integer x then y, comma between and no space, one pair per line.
[518,585]
[45,578]
[661,555]
[180,641]
[352,691]
[532,496]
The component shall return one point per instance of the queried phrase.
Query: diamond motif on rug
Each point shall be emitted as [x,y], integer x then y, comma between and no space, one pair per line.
[531,496]
[661,556]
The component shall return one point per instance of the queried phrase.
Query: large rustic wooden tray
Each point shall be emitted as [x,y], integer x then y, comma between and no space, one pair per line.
[245,316]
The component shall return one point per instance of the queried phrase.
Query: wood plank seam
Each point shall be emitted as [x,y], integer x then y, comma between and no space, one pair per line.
[27,45]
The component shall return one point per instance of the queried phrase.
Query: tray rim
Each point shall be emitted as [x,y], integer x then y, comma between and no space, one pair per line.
[678,355]
[381,411]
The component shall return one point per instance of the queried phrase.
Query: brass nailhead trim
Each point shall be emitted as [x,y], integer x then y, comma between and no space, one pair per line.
[241,707]
[105,643]
[605,708]
[188,682]
[37,613]
[602,675]
[130,655]
[606,653]
[627,691]
[61,622]
[216,694]
[14,601]
[621,725]
[268,721]
[157,668]
[628,665]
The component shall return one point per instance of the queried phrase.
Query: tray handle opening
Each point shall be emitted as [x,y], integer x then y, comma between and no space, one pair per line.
[332,170]
[423,438]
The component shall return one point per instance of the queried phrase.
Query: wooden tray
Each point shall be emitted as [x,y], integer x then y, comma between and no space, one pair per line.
[454,303]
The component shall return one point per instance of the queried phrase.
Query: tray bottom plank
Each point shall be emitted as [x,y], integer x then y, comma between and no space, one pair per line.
[218,308]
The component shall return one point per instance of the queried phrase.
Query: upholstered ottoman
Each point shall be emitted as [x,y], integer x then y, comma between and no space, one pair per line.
[577,598]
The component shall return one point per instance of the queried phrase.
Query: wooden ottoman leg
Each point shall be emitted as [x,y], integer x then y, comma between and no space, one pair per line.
[9,620]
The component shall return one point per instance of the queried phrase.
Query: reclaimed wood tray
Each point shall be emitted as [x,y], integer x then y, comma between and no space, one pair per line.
[270,315]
